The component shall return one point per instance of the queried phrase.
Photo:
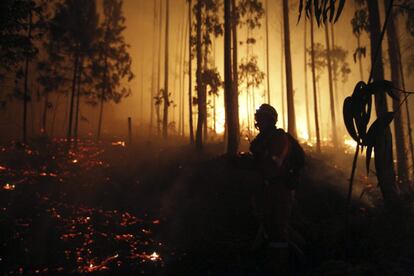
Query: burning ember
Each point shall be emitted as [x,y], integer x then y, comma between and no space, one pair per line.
[9,187]
[154,257]
[119,143]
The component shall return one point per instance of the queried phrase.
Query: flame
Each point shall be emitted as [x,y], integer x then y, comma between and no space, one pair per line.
[350,143]
[75,161]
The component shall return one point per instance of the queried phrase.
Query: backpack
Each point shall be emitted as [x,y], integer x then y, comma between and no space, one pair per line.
[294,163]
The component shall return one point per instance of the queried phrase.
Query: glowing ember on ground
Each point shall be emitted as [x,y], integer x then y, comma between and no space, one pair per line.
[119,143]
[75,161]
[154,256]
[9,187]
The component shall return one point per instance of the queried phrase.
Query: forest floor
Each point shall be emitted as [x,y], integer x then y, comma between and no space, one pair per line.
[168,210]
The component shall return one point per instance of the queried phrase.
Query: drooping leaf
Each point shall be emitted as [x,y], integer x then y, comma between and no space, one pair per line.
[331,10]
[378,128]
[300,9]
[318,11]
[361,108]
[383,86]
[340,9]
[368,158]
[348,118]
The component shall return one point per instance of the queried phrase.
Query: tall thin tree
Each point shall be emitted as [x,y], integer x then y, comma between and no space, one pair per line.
[383,150]
[26,79]
[166,73]
[331,92]
[306,82]
[230,98]
[267,52]
[200,100]
[288,64]
[402,167]
[315,97]
[190,75]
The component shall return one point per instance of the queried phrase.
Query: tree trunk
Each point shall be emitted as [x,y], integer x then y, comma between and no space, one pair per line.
[315,97]
[151,122]
[334,64]
[159,71]
[204,103]
[52,128]
[282,75]
[78,102]
[331,92]
[233,31]
[190,75]
[383,150]
[166,92]
[289,82]
[306,84]
[44,117]
[402,167]
[200,100]
[182,74]
[26,78]
[267,52]
[410,134]
[230,97]
[103,92]
[141,96]
[72,98]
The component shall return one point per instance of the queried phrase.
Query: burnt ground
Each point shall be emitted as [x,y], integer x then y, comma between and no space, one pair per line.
[112,209]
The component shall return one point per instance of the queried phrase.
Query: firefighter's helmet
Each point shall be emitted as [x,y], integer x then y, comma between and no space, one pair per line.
[266,112]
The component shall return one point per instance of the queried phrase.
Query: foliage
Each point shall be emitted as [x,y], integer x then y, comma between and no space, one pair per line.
[338,57]
[211,23]
[357,112]
[52,70]
[359,53]
[250,73]
[212,79]
[252,11]
[112,63]
[75,26]
[406,8]
[15,44]
[323,10]
[360,22]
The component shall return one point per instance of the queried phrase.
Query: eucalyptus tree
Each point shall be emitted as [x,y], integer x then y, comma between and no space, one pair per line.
[249,14]
[21,25]
[402,166]
[75,26]
[329,67]
[230,94]
[406,8]
[52,77]
[367,18]
[190,74]
[166,92]
[112,62]
[288,66]
[207,24]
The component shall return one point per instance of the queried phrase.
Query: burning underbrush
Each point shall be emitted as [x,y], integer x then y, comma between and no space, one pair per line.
[52,223]
[154,209]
